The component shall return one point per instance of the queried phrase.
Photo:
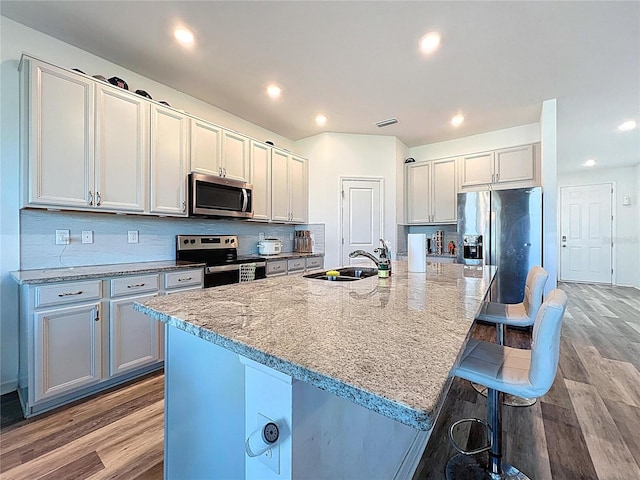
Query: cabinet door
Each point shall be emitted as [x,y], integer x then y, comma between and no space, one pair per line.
[67,350]
[515,164]
[279,186]
[298,189]
[235,156]
[418,192]
[206,140]
[477,169]
[444,200]
[122,150]
[260,170]
[168,161]
[60,136]
[135,337]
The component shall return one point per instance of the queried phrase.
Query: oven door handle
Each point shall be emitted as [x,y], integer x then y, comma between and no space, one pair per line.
[245,199]
[231,268]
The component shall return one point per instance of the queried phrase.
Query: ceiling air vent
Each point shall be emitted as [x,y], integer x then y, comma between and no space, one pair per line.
[386,123]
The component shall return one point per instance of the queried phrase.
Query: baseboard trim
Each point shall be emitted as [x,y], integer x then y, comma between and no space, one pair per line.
[8,386]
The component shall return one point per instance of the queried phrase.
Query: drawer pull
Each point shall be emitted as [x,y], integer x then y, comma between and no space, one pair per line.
[184,279]
[137,285]
[79,292]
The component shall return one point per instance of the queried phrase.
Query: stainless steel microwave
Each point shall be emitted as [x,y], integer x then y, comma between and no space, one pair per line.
[213,196]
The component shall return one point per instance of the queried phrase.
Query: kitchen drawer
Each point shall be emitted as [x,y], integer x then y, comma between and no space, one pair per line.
[295,264]
[67,292]
[277,268]
[314,262]
[133,285]
[183,278]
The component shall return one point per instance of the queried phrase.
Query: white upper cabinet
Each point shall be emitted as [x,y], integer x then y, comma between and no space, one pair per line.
[289,188]
[504,168]
[122,151]
[260,178]
[431,192]
[299,189]
[515,164]
[477,169]
[169,136]
[58,107]
[206,141]
[235,156]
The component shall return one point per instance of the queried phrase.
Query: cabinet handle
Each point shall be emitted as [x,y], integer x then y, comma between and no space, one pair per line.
[98,199]
[136,285]
[79,292]
[184,206]
[224,170]
[97,319]
[184,279]
[90,198]
[497,177]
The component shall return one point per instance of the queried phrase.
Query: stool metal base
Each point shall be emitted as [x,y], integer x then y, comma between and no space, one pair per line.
[507,399]
[465,467]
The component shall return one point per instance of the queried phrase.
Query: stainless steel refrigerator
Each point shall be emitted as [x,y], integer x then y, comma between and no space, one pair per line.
[502,228]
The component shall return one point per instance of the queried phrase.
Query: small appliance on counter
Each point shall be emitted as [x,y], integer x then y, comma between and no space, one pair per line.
[269,246]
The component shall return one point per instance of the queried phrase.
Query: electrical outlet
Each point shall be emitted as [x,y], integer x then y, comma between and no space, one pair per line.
[261,236]
[87,236]
[132,236]
[271,458]
[290,235]
[63,237]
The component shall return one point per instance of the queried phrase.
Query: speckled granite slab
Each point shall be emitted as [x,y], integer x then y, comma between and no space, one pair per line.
[49,275]
[386,344]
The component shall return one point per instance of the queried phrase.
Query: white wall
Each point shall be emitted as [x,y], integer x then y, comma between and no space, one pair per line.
[14,40]
[549,143]
[626,218]
[335,155]
[508,137]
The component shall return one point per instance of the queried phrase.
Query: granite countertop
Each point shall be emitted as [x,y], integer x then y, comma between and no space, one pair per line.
[386,344]
[49,275]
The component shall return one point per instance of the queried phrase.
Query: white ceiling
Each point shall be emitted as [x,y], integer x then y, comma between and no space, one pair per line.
[358,63]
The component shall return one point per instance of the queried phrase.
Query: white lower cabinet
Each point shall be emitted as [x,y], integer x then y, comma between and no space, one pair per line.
[68,349]
[77,338]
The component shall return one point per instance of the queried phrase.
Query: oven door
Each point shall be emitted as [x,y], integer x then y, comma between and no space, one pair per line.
[227,274]
[219,197]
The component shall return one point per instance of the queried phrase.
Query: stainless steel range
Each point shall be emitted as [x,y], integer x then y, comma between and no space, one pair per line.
[220,253]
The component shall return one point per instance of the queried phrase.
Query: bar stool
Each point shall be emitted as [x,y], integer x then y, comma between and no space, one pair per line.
[521,314]
[504,369]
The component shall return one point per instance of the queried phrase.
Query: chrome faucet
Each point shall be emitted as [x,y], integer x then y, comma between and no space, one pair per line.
[383,251]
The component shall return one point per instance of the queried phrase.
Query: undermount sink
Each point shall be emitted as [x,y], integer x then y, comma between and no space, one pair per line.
[347,274]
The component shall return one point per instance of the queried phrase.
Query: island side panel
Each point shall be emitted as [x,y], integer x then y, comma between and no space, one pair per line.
[204,409]
[335,438]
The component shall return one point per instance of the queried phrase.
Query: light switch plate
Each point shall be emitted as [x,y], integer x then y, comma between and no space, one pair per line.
[87,236]
[132,236]
[261,236]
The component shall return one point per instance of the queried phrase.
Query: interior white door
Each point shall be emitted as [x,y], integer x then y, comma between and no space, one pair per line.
[585,236]
[362,225]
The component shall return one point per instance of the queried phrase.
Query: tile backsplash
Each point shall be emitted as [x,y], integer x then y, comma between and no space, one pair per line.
[156,237]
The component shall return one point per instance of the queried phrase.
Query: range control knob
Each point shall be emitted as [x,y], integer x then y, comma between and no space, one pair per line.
[193,240]
[185,241]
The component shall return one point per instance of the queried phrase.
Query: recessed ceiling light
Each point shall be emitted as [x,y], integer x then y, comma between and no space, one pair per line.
[590,163]
[626,126]
[457,120]
[321,119]
[430,42]
[274,91]
[184,36]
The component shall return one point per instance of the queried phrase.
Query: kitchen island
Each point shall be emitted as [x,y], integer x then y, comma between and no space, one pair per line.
[353,373]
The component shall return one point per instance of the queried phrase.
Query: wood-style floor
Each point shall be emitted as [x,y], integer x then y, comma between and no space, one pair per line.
[586,427]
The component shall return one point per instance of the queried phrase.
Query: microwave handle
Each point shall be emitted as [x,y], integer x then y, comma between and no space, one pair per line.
[245,201]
